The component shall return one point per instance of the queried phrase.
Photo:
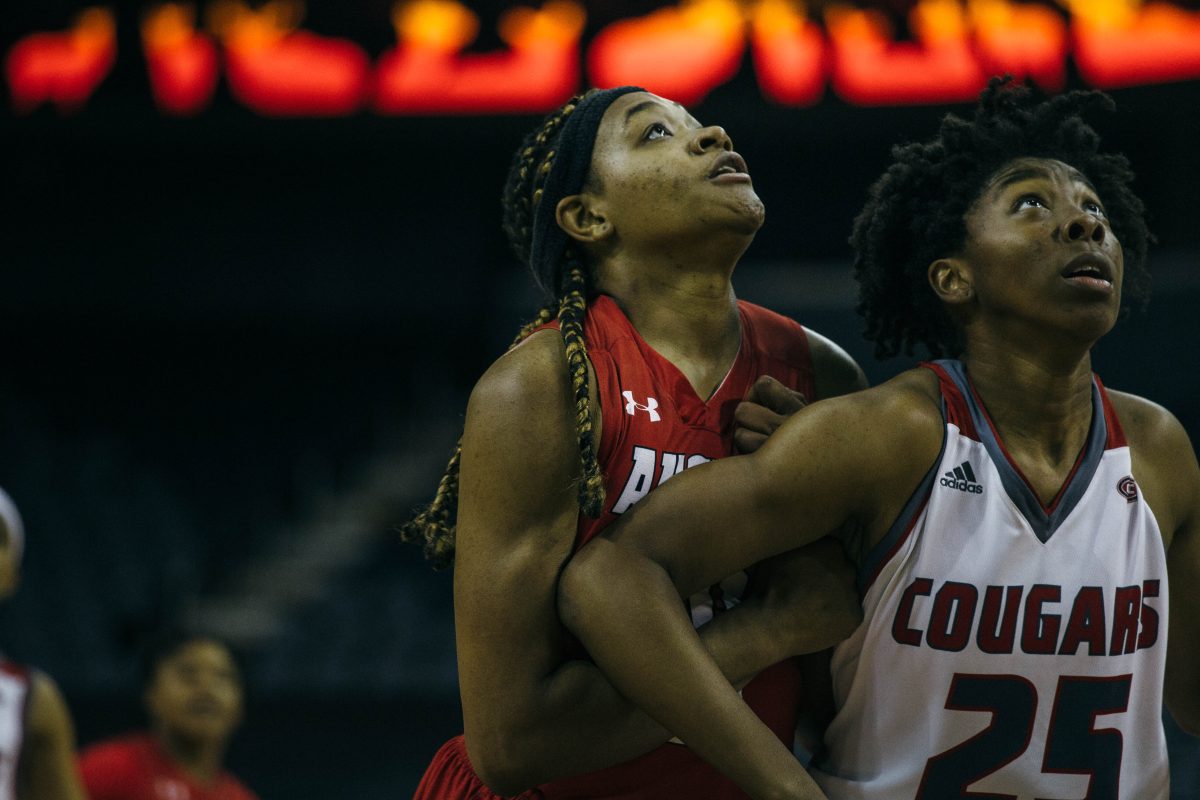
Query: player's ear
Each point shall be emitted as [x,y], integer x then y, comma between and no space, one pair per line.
[583,218]
[951,280]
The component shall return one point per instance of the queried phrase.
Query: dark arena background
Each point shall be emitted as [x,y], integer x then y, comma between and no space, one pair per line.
[251,265]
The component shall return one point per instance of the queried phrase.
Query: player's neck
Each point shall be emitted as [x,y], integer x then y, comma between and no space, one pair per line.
[201,760]
[690,318]
[1038,403]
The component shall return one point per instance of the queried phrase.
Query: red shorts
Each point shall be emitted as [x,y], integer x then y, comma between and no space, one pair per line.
[450,776]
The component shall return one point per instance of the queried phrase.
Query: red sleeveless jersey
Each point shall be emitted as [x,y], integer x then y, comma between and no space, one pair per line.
[654,426]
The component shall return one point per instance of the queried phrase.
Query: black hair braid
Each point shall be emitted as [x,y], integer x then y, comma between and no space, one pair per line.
[915,213]
[434,526]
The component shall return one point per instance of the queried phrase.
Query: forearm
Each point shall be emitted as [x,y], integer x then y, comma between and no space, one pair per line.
[1182,680]
[583,724]
[628,614]
[1183,700]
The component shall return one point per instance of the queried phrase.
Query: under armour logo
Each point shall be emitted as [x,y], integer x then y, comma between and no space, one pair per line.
[632,406]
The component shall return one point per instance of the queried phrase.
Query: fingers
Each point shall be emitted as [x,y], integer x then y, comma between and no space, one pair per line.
[747,441]
[752,425]
[769,392]
[767,405]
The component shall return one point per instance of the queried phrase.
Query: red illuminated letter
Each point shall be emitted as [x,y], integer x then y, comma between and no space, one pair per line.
[62,68]
[182,62]
[681,53]
[871,69]
[425,73]
[1021,40]
[277,70]
[1118,44]
[789,53]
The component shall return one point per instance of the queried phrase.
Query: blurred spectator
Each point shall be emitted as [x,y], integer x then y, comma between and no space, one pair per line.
[192,688]
[37,739]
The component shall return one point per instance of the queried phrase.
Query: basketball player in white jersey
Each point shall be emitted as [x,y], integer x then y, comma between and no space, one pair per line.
[1021,531]
[37,740]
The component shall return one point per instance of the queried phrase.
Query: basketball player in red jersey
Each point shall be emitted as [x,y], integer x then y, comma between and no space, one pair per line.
[633,215]
[1015,523]
[193,694]
[37,739]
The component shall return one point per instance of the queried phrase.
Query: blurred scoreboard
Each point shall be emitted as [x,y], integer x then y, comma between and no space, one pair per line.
[926,52]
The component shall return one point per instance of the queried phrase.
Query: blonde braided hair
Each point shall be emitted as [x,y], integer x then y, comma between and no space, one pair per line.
[434,526]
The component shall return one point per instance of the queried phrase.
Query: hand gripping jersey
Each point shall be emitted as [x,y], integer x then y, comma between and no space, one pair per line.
[14,702]
[653,427]
[1008,649]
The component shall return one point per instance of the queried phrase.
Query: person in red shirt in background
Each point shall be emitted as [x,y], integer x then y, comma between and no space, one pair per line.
[193,694]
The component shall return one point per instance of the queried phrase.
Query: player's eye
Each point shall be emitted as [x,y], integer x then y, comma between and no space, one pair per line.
[656,131]
[1029,201]
[1092,207]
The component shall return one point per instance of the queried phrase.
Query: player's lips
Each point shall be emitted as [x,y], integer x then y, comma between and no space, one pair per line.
[1090,270]
[729,167]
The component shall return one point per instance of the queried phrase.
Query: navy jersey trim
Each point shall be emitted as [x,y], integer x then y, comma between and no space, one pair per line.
[1044,521]
[885,548]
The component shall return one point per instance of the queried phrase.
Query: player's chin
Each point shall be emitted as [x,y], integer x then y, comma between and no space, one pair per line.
[754,212]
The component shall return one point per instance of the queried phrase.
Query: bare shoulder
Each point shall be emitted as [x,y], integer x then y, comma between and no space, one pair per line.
[908,404]
[1156,437]
[48,715]
[524,374]
[834,371]
[1146,423]
[1164,459]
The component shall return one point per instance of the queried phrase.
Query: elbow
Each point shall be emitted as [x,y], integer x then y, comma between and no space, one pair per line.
[581,587]
[499,765]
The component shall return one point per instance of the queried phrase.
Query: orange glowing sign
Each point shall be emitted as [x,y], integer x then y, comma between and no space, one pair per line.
[1023,40]
[683,51]
[278,70]
[1122,44]
[789,53]
[182,63]
[62,68]
[869,68]
[679,52]
[426,72]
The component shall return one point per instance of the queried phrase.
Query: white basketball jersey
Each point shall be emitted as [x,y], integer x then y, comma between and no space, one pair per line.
[1008,649]
[14,697]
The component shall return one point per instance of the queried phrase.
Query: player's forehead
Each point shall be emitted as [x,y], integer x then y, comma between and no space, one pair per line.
[201,652]
[1033,169]
[629,110]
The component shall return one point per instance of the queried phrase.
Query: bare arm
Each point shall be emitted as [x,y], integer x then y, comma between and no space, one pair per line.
[530,715]
[1181,478]
[621,594]
[1164,464]
[47,770]
[1182,687]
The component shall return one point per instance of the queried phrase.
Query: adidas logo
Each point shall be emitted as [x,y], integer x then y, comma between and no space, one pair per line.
[962,478]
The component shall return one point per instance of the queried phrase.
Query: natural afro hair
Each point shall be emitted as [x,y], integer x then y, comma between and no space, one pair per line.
[916,212]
